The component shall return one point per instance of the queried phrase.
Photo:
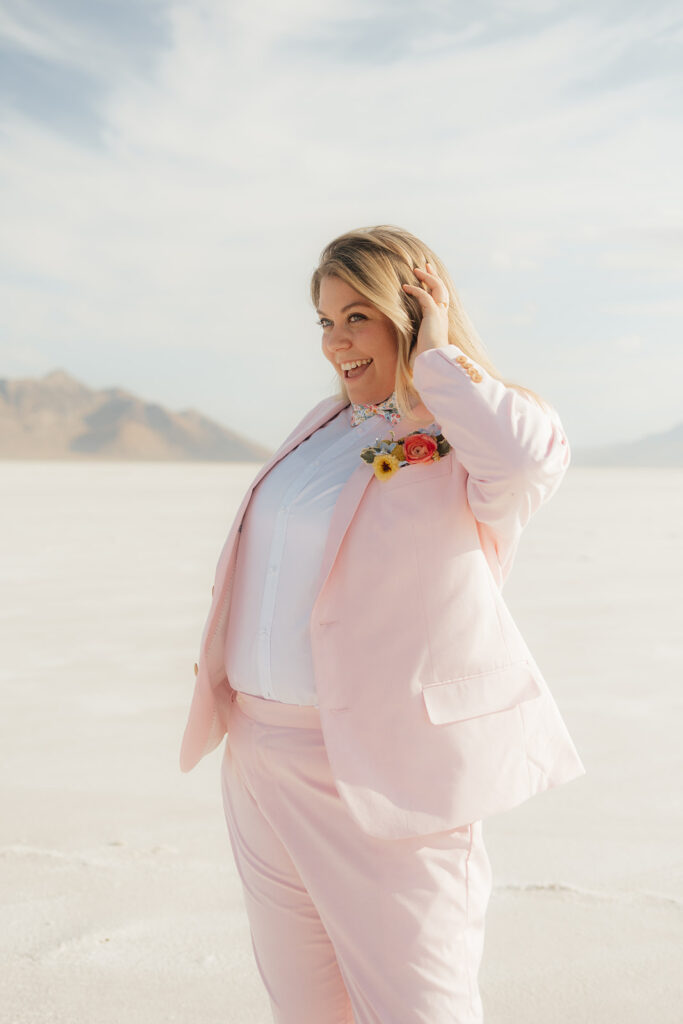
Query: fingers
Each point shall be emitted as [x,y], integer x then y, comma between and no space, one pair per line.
[419,293]
[432,282]
[429,276]
[428,272]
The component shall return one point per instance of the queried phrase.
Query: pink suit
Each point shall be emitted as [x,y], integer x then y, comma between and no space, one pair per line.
[356,826]
[433,710]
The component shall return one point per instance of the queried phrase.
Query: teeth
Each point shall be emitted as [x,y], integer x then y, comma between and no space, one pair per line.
[358,362]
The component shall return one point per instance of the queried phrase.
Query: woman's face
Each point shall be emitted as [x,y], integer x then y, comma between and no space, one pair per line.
[355,331]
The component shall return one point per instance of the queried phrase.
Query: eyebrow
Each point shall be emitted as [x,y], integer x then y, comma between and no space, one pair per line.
[344,308]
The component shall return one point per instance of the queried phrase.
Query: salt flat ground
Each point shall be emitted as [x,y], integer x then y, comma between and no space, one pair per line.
[120,901]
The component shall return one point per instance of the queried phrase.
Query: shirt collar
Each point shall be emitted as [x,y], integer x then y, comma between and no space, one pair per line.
[388,409]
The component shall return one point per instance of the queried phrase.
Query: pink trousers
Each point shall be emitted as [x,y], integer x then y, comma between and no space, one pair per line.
[346,928]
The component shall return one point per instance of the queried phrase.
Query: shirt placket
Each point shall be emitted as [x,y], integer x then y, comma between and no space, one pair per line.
[277,547]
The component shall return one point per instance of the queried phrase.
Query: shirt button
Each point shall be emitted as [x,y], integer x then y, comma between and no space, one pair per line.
[272,569]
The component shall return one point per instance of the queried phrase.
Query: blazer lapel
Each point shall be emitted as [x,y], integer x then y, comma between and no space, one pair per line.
[318,416]
[350,497]
[323,412]
[346,504]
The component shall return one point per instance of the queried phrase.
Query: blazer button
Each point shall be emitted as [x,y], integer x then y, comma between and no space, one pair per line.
[196,669]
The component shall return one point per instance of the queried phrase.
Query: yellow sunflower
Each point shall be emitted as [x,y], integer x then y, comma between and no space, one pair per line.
[385,466]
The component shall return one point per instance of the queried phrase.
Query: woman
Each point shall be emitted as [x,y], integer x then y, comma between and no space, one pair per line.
[378,698]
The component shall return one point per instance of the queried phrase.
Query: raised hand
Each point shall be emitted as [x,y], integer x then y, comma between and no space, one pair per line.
[433,332]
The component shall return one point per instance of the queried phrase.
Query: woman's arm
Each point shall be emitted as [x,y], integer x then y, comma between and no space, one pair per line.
[515,452]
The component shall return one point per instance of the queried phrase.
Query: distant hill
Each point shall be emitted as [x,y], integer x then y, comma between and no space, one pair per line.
[58,417]
[664,449]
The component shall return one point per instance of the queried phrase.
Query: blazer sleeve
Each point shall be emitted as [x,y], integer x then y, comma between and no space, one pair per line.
[515,452]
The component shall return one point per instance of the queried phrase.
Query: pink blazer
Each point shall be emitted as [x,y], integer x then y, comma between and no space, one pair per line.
[433,710]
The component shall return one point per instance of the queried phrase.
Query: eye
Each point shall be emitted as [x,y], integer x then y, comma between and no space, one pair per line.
[324,322]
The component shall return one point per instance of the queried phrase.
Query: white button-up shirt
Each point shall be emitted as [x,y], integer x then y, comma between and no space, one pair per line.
[279,559]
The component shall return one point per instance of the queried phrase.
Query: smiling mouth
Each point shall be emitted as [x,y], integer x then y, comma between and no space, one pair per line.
[355,368]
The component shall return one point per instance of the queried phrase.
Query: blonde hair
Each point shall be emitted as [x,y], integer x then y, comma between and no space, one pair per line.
[376,262]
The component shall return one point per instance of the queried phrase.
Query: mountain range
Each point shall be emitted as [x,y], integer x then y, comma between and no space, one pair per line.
[663,449]
[58,417]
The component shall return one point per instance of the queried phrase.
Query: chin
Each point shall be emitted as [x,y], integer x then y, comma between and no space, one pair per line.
[360,391]
[368,398]
[360,397]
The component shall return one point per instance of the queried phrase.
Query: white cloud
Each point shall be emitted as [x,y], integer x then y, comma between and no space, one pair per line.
[42,31]
[628,343]
[671,309]
[193,221]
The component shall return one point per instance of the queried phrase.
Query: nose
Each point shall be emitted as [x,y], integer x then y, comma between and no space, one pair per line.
[337,338]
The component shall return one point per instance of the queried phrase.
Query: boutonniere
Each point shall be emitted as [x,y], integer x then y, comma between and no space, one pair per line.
[387,456]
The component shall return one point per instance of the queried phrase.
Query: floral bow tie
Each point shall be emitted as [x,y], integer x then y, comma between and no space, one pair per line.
[387,408]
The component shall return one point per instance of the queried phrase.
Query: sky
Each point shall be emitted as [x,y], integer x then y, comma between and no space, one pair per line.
[170,172]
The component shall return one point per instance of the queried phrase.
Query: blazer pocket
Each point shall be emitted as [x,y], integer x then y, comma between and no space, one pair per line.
[419,472]
[455,700]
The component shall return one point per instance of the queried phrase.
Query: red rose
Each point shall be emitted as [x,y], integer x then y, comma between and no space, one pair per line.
[419,447]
